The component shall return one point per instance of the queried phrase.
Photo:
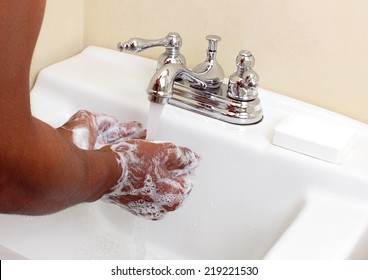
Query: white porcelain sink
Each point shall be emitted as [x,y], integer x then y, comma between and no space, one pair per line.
[252,200]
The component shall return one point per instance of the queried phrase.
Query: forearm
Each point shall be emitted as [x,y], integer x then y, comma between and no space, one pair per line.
[40,172]
[47,173]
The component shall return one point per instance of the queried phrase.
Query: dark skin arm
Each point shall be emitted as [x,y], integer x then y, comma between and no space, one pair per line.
[40,171]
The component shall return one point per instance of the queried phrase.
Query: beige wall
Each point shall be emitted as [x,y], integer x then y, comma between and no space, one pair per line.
[311,50]
[61,35]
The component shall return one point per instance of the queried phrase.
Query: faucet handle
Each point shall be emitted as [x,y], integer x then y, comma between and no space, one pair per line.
[243,84]
[172,42]
[244,60]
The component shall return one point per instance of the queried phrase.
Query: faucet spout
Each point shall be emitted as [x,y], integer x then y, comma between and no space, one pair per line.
[160,88]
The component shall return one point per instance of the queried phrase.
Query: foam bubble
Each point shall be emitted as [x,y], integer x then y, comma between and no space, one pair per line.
[157,193]
[94,130]
[118,132]
[81,137]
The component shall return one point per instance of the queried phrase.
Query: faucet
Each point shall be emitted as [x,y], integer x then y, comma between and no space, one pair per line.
[202,89]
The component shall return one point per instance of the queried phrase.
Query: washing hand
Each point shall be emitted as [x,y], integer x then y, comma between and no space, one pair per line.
[90,131]
[156,177]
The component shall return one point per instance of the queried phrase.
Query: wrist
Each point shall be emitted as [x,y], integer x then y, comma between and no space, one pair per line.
[121,163]
[108,170]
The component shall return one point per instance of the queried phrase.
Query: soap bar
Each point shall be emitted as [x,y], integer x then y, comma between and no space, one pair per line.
[314,137]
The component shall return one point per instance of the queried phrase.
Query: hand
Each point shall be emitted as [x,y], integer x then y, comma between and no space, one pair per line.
[156,177]
[90,131]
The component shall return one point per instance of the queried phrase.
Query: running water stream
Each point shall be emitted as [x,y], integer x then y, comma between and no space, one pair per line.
[153,122]
[139,231]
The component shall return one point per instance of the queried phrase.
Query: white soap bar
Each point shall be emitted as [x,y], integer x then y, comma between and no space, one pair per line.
[314,137]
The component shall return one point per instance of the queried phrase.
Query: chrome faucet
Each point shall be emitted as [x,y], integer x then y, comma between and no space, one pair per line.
[202,89]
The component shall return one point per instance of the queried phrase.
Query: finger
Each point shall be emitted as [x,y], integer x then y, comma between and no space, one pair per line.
[131,130]
[182,158]
[104,122]
[80,118]
[172,189]
[123,131]
[139,134]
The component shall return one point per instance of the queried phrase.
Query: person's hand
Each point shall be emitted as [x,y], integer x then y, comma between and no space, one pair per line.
[90,131]
[156,177]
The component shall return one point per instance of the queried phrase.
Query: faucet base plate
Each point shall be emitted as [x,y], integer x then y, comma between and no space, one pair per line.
[216,104]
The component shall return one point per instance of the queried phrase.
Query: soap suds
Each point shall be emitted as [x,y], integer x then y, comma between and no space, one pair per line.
[94,130]
[81,136]
[162,189]
[120,131]
[156,177]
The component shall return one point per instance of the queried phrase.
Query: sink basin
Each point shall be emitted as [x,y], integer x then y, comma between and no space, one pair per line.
[251,200]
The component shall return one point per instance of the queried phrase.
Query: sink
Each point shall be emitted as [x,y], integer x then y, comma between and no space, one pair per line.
[251,200]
